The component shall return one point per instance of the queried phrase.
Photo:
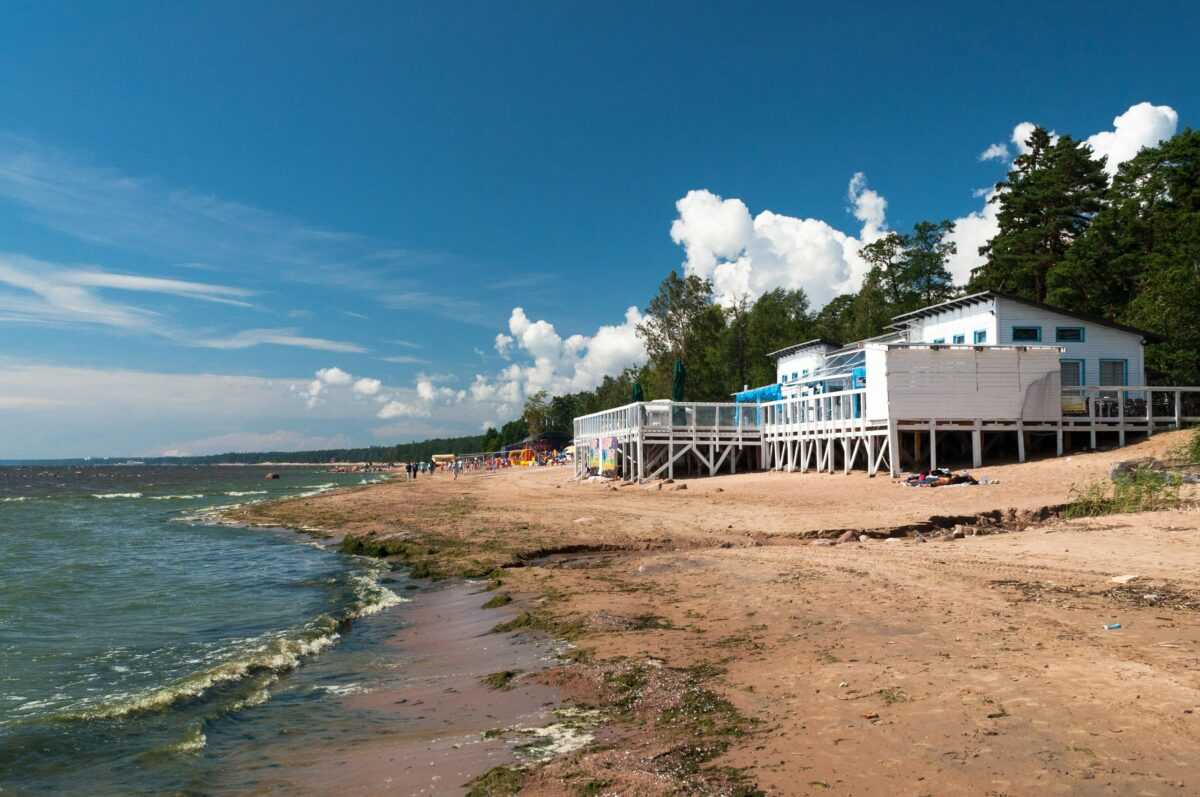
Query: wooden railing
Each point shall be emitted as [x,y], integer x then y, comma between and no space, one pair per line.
[1119,404]
[829,412]
[678,416]
[847,410]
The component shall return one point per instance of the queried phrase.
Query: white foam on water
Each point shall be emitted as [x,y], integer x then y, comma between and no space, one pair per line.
[116,495]
[240,493]
[14,498]
[175,497]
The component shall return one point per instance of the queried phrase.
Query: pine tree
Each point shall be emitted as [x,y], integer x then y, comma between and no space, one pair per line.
[1139,261]
[1048,200]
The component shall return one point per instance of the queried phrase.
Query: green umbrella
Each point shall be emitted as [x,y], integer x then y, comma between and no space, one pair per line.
[637,392]
[677,380]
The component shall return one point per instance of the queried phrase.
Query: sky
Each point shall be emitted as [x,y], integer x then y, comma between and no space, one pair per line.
[279,226]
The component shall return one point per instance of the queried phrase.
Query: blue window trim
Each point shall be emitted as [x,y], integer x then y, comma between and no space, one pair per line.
[1082,335]
[1124,369]
[980,336]
[1082,368]
[959,339]
[1037,339]
[938,341]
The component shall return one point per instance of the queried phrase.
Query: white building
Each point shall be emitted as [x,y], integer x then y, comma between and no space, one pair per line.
[960,378]
[1094,351]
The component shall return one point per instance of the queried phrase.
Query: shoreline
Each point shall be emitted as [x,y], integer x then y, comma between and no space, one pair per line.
[731,647]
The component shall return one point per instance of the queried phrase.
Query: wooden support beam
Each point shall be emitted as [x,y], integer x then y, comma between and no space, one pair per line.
[977,445]
[893,447]
[933,445]
[1121,417]
[1020,441]
[1149,413]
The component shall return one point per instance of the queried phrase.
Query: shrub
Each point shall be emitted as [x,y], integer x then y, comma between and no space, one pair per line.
[1144,490]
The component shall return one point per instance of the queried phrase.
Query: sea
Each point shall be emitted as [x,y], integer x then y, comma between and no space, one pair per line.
[146,647]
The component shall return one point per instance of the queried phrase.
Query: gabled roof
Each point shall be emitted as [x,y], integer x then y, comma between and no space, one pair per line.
[808,344]
[986,296]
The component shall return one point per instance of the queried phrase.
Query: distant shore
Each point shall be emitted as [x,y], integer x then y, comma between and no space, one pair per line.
[726,652]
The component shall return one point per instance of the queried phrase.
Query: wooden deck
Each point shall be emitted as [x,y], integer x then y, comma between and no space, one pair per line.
[840,431]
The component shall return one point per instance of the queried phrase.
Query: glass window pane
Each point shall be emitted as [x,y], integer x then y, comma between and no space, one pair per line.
[1071,376]
[1026,334]
[1112,372]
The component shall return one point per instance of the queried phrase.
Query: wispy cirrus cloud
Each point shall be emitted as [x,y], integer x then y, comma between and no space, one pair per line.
[105,206]
[41,293]
[404,359]
[278,337]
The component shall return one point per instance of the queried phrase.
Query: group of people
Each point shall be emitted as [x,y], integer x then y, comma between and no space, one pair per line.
[414,469]
[490,464]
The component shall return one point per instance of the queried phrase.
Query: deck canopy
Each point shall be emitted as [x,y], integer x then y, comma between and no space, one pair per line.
[757,395]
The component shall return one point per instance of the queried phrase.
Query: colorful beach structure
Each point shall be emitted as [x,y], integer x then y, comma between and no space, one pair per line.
[969,377]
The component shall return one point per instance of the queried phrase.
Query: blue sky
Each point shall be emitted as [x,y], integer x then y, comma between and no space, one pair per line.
[203,206]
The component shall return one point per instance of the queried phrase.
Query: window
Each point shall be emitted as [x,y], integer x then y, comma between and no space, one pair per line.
[1072,373]
[794,375]
[938,341]
[1027,334]
[1068,334]
[1114,372]
[981,336]
[960,338]
[804,372]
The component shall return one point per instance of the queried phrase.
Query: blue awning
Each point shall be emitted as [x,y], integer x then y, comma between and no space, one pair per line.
[759,394]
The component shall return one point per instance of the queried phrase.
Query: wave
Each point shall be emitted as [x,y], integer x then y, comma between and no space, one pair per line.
[116,495]
[240,493]
[265,661]
[325,486]
[175,497]
[13,498]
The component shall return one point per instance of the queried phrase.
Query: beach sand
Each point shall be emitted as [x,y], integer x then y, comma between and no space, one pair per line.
[728,652]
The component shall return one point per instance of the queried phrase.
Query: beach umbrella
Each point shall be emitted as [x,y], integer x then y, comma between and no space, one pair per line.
[637,392]
[677,380]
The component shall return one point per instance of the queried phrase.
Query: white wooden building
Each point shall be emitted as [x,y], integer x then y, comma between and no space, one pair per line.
[957,377]
[1094,351]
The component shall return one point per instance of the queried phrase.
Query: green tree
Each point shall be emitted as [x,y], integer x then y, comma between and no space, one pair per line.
[1048,200]
[537,408]
[1139,261]
[779,318]
[672,313]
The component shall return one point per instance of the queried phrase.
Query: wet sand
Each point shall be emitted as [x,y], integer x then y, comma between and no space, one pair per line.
[441,708]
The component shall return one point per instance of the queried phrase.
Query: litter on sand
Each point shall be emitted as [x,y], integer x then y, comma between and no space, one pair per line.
[940,477]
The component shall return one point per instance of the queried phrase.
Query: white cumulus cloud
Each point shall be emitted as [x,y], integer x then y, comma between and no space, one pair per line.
[996,152]
[1142,125]
[334,376]
[747,256]
[367,386]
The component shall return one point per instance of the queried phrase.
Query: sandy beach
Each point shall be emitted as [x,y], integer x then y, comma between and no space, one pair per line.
[731,650]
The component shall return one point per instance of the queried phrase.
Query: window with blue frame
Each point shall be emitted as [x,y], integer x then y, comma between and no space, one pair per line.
[1072,373]
[1027,334]
[1068,335]
[938,341]
[1114,372]
[794,376]
[981,336]
[960,338]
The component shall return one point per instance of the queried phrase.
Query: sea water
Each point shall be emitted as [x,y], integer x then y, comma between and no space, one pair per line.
[144,645]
